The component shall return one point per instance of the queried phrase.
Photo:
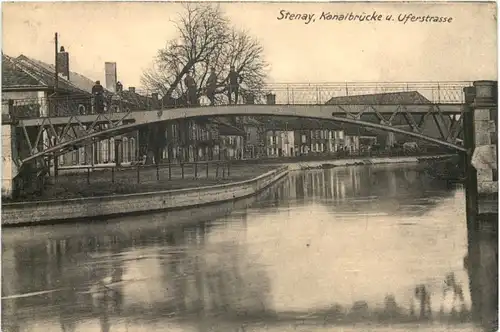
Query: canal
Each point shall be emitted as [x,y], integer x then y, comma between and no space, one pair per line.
[370,245]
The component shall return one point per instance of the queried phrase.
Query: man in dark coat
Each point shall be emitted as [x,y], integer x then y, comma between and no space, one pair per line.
[98,94]
[192,92]
[234,79]
[211,86]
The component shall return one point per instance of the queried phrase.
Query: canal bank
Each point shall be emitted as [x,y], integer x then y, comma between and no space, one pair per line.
[38,212]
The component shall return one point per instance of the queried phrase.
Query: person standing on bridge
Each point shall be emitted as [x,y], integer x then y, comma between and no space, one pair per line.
[119,87]
[211,86]
[234,79]
[98,94]
[192,92]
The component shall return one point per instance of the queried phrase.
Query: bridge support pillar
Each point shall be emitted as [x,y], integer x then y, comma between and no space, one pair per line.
[471,205]
[481,185]
[9,155]
[485,121]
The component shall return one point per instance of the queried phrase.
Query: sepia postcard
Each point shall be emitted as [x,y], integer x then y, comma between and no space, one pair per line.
[249,166]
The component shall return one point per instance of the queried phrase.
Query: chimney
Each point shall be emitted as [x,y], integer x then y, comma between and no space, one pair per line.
[131,89]
[63,63]
[110,76]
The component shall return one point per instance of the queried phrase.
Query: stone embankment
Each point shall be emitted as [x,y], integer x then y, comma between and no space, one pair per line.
[37,212]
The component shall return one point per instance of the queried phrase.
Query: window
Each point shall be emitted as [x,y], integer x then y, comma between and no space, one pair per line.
[82,158]
[112,150]
[61,160]
[304,138]
[132,149]
[74,157]
[174,132]
[104,151]
[125,150]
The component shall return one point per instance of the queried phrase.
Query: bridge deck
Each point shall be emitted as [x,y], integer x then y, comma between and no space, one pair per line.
[318,111]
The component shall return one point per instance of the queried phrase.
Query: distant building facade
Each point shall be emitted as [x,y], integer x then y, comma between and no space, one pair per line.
[388,140]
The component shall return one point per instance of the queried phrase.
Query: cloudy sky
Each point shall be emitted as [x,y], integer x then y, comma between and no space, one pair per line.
[323,51]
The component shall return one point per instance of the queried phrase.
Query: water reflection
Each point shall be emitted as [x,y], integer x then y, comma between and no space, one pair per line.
[350,245]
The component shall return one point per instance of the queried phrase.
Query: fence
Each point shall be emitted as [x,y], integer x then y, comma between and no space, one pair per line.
[210,169]
[145,173]
[322,93]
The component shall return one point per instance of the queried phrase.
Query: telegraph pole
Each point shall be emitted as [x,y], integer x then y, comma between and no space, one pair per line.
[56,83]
[56,76]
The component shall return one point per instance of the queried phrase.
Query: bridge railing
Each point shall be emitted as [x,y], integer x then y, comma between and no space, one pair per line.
[360,93]
[322,93]
[50,107]
[274,93]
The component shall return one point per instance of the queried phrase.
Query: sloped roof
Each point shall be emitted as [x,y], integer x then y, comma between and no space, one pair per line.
[136,99]
[42,77]
[14,76]
[42,73]
[392,98]
[80,81]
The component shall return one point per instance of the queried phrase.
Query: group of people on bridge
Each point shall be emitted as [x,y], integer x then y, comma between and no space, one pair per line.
[99,98]
[232,83]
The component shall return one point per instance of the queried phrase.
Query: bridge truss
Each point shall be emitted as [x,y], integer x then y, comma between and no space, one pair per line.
[49,128]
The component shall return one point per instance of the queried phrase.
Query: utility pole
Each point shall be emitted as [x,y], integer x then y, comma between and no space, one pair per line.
[56,76]
[56,83]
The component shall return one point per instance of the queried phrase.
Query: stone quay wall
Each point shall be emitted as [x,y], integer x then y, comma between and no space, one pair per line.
[25,213]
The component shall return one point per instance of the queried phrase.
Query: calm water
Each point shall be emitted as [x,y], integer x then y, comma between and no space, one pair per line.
[319,251]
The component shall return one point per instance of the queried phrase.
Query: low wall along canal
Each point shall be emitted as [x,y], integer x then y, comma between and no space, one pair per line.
[81,208]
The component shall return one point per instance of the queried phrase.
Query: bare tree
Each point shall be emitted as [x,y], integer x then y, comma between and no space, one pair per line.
[205,40]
